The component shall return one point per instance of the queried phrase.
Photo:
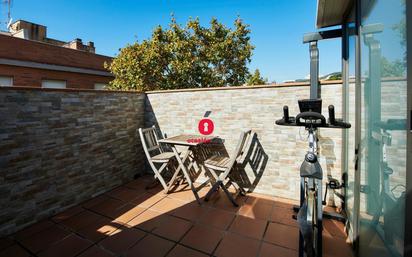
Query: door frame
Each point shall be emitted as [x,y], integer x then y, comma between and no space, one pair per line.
[408,203]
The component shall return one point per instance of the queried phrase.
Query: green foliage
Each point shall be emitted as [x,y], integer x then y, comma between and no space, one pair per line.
[400,28]
[395,68]
[335,77]
[256,79]
[185,57]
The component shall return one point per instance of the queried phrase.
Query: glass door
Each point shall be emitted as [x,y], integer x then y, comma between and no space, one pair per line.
[383,128]
[349,135]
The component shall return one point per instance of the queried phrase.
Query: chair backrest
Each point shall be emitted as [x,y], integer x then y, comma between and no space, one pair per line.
[149,139]
[241,147]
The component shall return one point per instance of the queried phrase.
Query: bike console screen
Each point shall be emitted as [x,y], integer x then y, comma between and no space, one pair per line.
[310,105]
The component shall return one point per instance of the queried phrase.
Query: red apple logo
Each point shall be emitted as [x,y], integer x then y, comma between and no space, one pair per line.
[206,127]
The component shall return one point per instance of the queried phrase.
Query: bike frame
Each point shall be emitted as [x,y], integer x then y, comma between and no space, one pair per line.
[386,199]
[309,188]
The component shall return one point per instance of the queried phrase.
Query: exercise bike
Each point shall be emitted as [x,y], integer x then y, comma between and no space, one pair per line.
[310,212]
[388,204]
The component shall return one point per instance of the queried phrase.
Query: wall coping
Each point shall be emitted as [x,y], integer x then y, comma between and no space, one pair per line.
[71,90]
[290,84]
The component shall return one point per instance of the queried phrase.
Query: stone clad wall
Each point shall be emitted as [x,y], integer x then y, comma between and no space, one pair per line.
[61,147]
[281,149]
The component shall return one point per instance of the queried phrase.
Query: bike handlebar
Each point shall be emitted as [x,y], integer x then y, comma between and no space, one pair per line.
[312,119]
[286,112]
[392,124]
[334,121]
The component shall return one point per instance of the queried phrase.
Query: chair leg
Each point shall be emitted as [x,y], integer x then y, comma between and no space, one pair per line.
[238,188]
[212,190]
[229,196]
[160,178]
[172,180]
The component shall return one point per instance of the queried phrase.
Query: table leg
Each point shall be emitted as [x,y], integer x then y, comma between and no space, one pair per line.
[176,173]
[185,172]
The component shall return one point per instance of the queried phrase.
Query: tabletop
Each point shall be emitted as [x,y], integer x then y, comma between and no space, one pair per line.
[187,140]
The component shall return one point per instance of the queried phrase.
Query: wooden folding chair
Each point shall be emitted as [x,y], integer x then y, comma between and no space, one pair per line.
[226,165]
[158,156]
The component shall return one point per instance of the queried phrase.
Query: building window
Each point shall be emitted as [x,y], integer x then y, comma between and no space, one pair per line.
[53,83]
[6,81]
[100,86]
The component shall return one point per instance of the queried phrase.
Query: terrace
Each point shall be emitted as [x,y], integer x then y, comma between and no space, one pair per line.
[70,157]
[132,221]
[73,170]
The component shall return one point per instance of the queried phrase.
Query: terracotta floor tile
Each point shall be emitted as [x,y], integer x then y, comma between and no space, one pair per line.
[121,240]
[81,220]
[236,245]
[191,211]
[148,220]
[248,227]
[258,210]
[181,251]
[123,193]
[158,189]
[260,199]
[285,203]
[138,184]
[202,238]
[67,214]
[96,251]
[109,208]
[336,247]
[217,218]
[5,242]
[14,251]
[45,238]
[172,228]
[68,247]
[185,194]
[284,216]
[270,250]
[283,235]
[96,200]
[167,205]
[98,229]
[221,201]
[32,229]
[147,200]
[152,246]
[128,212]
[335,228]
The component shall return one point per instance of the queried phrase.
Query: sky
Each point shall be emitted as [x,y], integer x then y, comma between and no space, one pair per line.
[277,27]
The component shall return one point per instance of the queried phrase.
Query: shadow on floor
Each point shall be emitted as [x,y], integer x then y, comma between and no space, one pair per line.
[133,221]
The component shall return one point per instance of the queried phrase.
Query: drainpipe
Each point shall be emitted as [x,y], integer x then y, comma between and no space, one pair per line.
[373,104]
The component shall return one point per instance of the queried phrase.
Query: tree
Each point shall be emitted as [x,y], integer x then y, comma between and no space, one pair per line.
[256,79]
[400,28]
[394,68]
[185,57]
